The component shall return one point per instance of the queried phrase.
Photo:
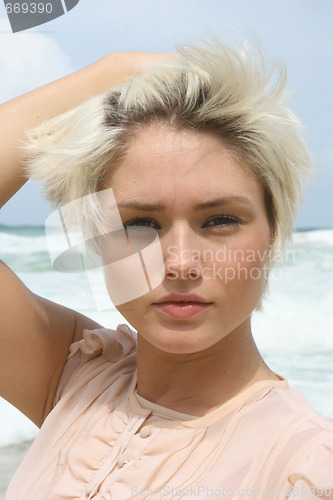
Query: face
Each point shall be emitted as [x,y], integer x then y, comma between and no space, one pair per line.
[209,213]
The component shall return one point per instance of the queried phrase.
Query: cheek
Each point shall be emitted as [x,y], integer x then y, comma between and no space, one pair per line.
[242,267]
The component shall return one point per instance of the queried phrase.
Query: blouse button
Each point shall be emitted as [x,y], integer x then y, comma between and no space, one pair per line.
[145,431]
[91,489]
[122,461]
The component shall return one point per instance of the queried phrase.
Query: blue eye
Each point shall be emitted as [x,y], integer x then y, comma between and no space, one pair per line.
[225,220]
[142,221]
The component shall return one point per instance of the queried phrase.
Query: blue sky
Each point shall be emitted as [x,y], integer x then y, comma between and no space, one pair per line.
[298,31]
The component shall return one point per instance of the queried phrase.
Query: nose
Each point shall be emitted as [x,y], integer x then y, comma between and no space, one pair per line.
[182,254]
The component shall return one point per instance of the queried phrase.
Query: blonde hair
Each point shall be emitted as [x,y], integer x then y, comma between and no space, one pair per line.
[213,88]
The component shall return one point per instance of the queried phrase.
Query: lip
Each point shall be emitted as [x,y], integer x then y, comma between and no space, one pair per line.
[182,297]
[182,306]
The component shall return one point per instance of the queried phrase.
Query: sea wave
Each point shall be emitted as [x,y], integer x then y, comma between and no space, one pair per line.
[26,248]
[294,331]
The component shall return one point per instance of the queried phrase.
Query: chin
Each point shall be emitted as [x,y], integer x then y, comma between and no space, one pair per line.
[177,341]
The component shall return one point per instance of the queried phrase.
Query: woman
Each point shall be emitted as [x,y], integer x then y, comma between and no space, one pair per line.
[202,150]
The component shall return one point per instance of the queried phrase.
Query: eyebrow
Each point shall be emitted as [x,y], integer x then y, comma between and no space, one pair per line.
[158,207]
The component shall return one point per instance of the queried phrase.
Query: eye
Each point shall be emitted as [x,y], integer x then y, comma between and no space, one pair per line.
[142,221]
[224,220]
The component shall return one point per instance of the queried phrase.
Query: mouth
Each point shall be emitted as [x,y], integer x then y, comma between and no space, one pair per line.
[181,307]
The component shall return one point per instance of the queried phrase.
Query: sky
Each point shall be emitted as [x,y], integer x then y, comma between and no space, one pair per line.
[300,32]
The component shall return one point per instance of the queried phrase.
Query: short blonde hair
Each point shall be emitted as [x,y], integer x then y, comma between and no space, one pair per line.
[210,87]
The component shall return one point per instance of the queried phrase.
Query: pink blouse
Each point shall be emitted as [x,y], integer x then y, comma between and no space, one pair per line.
[103,441]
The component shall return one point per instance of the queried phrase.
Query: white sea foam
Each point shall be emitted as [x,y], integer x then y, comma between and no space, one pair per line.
[324,236]
[15,427]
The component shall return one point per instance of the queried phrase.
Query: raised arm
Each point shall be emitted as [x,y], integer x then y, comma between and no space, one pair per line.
[35,334]
[27,111]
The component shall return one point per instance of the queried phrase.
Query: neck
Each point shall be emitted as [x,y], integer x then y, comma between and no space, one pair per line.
[200,382]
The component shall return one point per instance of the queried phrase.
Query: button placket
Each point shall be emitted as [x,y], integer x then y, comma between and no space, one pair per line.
[115,458]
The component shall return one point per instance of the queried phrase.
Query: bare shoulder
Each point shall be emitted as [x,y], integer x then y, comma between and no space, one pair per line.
[68,327]
[35,336]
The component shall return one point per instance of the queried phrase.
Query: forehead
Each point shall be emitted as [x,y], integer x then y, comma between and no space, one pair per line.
[181,165]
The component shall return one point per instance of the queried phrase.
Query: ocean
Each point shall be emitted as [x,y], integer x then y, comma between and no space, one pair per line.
[294,332]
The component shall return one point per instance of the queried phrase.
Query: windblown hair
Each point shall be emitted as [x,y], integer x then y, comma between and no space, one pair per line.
[211,88]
